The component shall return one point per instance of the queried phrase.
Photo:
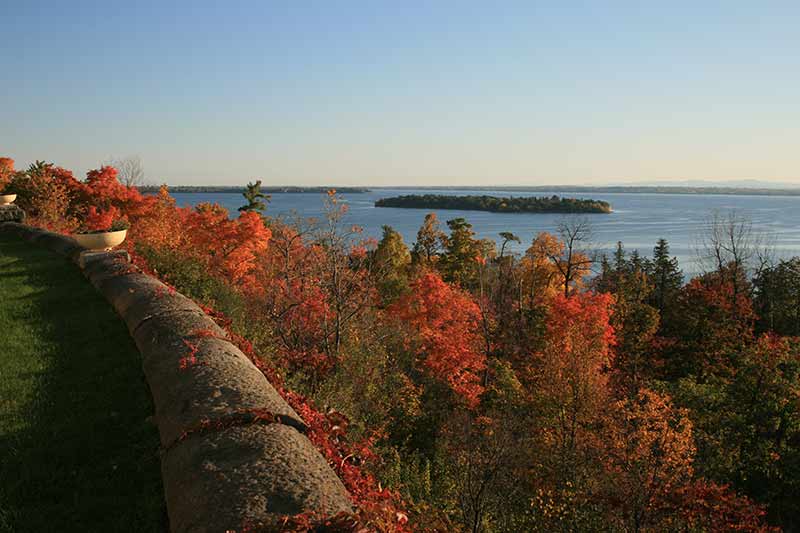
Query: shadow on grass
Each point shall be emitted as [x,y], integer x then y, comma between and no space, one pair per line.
[78,451]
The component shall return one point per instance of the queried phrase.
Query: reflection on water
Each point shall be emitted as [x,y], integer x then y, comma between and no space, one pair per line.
[638,220]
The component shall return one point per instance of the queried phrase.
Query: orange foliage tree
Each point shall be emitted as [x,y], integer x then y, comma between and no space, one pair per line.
[649,453]
[551,265]
[228,247]
[47,194]
[447,321]
[569,381]
[709,506]
[103,190]
[162,226]
[6,171]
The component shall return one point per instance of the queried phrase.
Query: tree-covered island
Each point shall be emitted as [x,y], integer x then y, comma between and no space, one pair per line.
[520,204]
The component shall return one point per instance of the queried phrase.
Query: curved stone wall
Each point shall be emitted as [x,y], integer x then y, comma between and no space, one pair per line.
[233,451]
[11,213]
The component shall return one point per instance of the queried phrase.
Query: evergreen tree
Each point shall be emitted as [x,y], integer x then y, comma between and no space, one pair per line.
[256,200]
[666,276]
[778,297]
[462,253]
[634,321]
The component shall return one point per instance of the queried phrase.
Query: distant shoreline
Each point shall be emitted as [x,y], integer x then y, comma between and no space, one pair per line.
[291,189]
[622,189]
[619,189]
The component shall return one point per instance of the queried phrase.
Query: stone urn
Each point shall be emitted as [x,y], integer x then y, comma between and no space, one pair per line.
[105,240]
[6,199]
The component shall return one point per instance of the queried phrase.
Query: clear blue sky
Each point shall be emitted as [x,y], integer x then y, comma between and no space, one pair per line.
[404,92]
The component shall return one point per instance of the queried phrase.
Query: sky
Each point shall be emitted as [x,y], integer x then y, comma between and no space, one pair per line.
[382,92]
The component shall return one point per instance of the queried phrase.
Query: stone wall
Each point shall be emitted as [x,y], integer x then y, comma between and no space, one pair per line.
[11,213]
[234,452]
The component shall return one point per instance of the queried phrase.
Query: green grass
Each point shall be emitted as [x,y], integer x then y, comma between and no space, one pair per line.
[78,450]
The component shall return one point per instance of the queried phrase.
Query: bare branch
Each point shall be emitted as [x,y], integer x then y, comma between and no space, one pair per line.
[131,170]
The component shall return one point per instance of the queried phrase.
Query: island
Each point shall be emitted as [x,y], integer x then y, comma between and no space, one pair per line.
[511,204]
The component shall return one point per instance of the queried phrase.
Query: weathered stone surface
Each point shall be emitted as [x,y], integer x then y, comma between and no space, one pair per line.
[173,327]
[11,213]
[247,475]
[91,260]
[204,378]
[122,291]
[113,270]
[147,304]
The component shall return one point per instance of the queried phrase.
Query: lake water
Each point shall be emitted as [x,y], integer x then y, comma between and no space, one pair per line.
[638,219]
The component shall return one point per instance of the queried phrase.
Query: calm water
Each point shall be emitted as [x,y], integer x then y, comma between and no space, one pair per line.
[638,220]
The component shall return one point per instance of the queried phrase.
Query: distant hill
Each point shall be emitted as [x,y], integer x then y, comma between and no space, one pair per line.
[730,184]
[641,189]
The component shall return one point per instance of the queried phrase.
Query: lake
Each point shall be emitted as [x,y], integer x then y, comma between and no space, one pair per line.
[638,220]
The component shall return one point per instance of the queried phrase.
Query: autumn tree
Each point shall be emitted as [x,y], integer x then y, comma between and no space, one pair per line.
[345,271]
[649,452]
[6,171]
[103,189]
[487,458]
[569,377]
[229,247]
[709,506]
[429,242]
[392,261]
[540,277]
[446,321]
[162,227]
[315,285]
[47,194]
[290,297]
[565,253]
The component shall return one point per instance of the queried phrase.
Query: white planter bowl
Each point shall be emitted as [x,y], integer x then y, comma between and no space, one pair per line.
[6,199]
[101,241]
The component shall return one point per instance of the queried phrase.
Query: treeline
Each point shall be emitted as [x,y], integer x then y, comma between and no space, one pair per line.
[519,204]
[459,387]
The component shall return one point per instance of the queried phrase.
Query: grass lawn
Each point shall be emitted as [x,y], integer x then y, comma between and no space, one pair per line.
[77,449]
